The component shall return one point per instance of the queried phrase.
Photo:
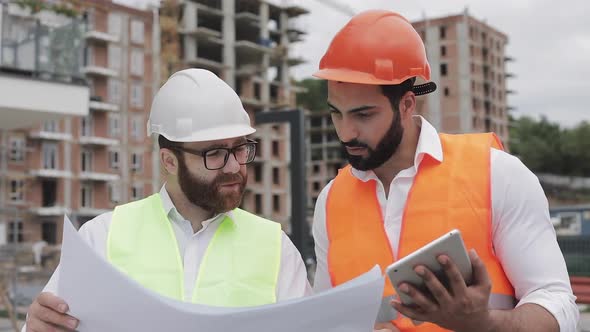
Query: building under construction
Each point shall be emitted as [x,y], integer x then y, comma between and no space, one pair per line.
[84,159]
[248,43]
[468,62]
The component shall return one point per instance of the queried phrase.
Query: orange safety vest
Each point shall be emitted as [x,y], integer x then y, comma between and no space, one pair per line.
[455,193]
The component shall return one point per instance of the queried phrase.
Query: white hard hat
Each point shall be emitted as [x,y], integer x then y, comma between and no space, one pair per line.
[195,105]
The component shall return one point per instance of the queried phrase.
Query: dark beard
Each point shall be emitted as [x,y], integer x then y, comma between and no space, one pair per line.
[386,147]
[207,195]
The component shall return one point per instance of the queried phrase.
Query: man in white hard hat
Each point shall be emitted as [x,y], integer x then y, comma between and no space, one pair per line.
[190,241]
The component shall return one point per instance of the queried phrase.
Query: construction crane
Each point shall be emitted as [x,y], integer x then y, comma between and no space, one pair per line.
[334,4]
[339,6]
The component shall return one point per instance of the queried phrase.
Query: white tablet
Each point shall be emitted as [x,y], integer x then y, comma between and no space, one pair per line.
[450,244]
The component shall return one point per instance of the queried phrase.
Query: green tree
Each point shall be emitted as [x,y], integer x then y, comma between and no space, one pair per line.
[575,144]
[537,144]
[315,95]
[546,148]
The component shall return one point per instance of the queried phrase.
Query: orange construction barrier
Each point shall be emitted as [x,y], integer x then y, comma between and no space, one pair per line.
[581,288]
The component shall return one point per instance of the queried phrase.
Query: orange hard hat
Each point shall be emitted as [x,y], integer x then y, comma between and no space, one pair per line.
[377,47]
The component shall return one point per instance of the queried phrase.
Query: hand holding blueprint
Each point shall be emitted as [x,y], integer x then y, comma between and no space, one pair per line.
[103,299]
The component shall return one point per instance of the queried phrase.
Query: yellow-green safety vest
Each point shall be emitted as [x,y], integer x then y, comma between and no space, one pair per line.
[239,269]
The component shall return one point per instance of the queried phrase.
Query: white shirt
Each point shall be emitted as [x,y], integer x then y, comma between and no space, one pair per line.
[292,282]
[524,239]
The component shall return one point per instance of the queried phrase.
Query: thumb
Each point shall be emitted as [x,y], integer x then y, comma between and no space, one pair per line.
[480,272]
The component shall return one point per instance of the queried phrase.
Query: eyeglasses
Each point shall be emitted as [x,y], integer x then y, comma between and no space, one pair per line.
[217,158]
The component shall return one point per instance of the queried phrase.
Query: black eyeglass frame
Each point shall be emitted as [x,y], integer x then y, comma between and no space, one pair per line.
[232,150]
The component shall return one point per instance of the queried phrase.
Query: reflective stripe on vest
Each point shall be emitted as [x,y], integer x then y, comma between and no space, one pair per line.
[240,267]
[455,193]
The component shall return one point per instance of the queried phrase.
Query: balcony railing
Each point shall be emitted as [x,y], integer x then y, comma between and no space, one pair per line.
[44,45]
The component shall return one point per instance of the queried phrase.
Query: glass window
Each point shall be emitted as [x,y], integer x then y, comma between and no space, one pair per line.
[136,95]
[86,195]
[137,66]
[137,127]
[137,31]
[49,155]
[17,190]
[15,231]
[115,24]
[114,159]
[114,128]
[114,57]
[114,90]
[17,149]
[136,162]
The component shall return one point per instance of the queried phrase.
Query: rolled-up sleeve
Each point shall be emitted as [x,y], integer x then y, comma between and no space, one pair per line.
[322,277]
[292,281]
[525,242]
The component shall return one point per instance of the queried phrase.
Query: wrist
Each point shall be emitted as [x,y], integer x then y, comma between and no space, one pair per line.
[493,322]
[489,322]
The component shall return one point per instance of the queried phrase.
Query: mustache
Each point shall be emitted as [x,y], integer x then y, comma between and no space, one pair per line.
[228,178]
[354,144]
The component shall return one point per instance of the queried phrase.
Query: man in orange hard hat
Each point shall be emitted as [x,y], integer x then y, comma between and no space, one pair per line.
[407,185]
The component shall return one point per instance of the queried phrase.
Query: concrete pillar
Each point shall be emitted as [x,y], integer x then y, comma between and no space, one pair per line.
[155,87]
[68,165]
[286,83]
[3,165]
[123,106]
[229,41]
[189,21]
[265,35]
[465,107]
[433,44]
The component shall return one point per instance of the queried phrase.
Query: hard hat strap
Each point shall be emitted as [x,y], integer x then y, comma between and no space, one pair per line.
[422,89]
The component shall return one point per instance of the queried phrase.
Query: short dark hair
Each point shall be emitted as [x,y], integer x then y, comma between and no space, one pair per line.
[395,92]
[165,143]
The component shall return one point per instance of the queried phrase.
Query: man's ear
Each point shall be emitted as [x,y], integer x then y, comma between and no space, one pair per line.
[169,161]
[407,105]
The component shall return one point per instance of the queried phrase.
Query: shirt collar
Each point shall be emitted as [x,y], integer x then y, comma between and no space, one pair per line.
[428,144]
[174,215]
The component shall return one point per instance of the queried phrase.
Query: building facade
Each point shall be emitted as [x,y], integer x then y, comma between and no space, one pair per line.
[84,165]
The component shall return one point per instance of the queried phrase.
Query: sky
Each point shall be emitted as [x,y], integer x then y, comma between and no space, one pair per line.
[549,40]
